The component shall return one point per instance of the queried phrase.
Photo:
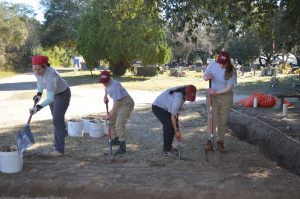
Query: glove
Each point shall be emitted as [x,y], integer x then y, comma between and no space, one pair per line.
[105,99]
[209,76]
[35,109]
[37,97]
[211,91]
[178,135]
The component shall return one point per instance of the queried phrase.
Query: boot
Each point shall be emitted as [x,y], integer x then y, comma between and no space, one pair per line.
[208,146]
[122,148]
[115,141]
[221,147]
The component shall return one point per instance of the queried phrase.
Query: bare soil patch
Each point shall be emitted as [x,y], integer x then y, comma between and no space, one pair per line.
[143,172]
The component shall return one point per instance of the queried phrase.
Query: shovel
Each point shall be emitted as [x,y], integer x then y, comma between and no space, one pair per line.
[209,153]
[110,153]
[25,137]
[178,139]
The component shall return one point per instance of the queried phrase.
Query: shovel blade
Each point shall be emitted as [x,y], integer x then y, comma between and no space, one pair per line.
[24,139]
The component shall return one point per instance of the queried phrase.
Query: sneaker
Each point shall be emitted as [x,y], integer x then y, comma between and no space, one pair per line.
[171,153]
[208,146]
[56,154]
[221,147]
[115,141]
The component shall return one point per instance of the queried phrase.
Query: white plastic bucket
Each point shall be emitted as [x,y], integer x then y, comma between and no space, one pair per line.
[85,123]
[95,128]
[10,162]
[75,128]
[104,125]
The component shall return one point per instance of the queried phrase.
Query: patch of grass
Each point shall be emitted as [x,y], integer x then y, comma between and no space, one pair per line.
[248,83]
[5,74]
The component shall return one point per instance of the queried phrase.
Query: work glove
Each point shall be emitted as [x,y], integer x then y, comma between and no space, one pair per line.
[209,76]
[105,99]
[35,109]
[37,97]
[178,135]
[211,91]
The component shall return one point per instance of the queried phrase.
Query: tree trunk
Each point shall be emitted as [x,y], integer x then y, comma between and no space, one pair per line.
[118,69]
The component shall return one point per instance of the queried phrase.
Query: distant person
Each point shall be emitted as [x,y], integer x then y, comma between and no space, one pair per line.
[166,107]
[120,112]
[58,98]
[223,77]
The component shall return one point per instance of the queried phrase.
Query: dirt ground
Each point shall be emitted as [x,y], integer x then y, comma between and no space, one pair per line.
[144,172]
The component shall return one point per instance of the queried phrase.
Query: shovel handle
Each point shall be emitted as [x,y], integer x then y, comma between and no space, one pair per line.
[30,115]
[106,104]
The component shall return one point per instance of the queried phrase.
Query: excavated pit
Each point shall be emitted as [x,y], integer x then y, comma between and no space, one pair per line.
[271,141]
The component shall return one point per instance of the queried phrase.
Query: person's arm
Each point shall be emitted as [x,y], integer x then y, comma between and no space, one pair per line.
[174,123]
[49,99]
[39,87]
[228,88]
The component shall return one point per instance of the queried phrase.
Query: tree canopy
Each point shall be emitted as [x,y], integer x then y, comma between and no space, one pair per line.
[121,32]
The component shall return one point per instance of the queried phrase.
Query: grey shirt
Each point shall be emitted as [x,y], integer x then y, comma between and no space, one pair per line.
[170,102]
[115,90]
[218,82]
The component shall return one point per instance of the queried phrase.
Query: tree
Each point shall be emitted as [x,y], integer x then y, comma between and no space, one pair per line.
[238,16]
[12,36]
[121,32]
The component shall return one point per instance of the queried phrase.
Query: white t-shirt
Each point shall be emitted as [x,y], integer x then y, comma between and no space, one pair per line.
[218,82]
[116,91]
[51,81]
[170,102]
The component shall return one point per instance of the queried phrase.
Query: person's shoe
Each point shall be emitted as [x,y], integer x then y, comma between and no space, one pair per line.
[221,147]
[115,141]
[122,149]
[56,154]
[172,153]
[208,146]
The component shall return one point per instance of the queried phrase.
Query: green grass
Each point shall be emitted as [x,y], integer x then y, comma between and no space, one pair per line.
[4,74]
[247,84]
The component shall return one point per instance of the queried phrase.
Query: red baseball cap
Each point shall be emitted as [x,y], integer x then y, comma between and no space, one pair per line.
[223,58]
[39,60]
[104,77]
[190,93]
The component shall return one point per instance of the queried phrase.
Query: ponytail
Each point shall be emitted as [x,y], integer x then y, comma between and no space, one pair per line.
[229,70]
[178,90]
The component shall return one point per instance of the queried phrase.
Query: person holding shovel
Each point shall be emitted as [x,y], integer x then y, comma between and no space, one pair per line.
[223,77]
[120,112]
[166,107]
[58,98]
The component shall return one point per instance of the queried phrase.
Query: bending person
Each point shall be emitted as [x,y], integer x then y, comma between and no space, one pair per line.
[58,98]
[166,107]
[121,110]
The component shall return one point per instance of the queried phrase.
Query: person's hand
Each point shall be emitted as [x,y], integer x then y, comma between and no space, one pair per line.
[209,76]
[211,91]
[178,135]
[37,97]
[35,109]
[105,99]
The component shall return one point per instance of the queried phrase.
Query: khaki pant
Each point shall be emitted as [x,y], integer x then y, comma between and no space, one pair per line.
[221,105]
[119,119]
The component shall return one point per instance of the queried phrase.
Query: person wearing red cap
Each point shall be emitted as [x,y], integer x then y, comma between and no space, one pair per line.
[223,77]
[121,110]
[166,107]
[58,98]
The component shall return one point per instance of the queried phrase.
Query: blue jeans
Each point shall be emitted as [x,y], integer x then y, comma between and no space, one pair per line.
[58,109]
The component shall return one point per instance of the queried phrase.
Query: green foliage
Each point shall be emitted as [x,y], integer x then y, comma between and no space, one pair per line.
[58,56]
[13,34]
[121,32]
